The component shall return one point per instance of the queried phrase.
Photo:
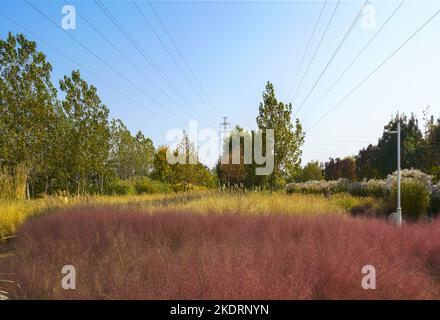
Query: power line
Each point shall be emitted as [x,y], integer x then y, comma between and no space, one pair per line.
[376,69]
[182,56]
[78,64]
[128,59]
[168,52]
[142,52]
[103,61]
[307,47]
[145,55]
[316,49]
[355,59]
[333,55]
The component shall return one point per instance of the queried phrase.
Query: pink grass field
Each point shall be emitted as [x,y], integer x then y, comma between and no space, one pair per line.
[119,254]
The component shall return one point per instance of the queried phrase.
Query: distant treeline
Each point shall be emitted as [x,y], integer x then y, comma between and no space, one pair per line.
[419,150]
[70,145]
[62,140]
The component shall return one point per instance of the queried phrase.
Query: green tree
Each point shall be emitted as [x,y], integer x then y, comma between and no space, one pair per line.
[432,150]
[311,171]
[143,155]
[27,102]
[88,144]
[366,167]
[411,146]
[340,168]
[190,172]
[161,167]
[288,136]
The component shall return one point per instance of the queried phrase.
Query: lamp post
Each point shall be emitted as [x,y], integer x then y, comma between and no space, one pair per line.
[399,208]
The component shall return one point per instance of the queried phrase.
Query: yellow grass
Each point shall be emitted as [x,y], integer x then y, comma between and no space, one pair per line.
[275,203]
[14,212]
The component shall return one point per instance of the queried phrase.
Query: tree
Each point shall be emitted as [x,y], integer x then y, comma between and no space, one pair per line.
[190,172]
[130,156]
[340,168]
[311,171]
[161,167]
[366,167]
[27,102]
[288,137]
[411,146]
[432,150]
[143,155]
[88,133]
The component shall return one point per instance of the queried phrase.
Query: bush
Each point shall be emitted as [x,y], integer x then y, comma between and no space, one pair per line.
[120,187]
[370,188]
[144,185]
[316,187]
[435,200]
[415,197]
[407,174]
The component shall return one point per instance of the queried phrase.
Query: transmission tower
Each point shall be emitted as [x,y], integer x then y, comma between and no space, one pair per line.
[224,131]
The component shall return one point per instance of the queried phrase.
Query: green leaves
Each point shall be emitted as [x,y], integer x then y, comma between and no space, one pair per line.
[288,136]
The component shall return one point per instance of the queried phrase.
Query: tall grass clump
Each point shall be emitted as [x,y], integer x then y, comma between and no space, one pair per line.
[13,182]
[120,254]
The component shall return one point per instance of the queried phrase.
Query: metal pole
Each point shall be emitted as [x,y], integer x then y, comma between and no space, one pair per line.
[399,209]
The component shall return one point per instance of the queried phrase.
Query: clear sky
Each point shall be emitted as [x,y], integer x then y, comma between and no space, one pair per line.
[233,48]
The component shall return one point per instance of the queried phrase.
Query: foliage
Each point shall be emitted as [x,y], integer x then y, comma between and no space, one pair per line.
[435,200]
[407,174]
[238,174]
[87,142]
[411,142]
[416,188]
[288,137]
[319,187]
[130,155]
[28,105]
[415,198]
[366,167]
[340,168]
[49,144]
[179,173]
[13,182]
[120,187]
[432,150]
[370,188]
[311,171]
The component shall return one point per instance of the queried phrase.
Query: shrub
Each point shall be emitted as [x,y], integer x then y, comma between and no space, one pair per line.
[408,174]
[316,187]
[370,188]
[375,188]
[144,185]
[120,187]
[415,198]
[435,200]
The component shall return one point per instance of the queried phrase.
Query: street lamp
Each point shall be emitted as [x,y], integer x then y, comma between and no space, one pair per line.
[399,208]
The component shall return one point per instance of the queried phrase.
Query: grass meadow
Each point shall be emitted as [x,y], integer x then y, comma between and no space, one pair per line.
[213,245]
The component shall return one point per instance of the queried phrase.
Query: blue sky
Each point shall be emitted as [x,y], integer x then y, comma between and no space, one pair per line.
[233,48]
